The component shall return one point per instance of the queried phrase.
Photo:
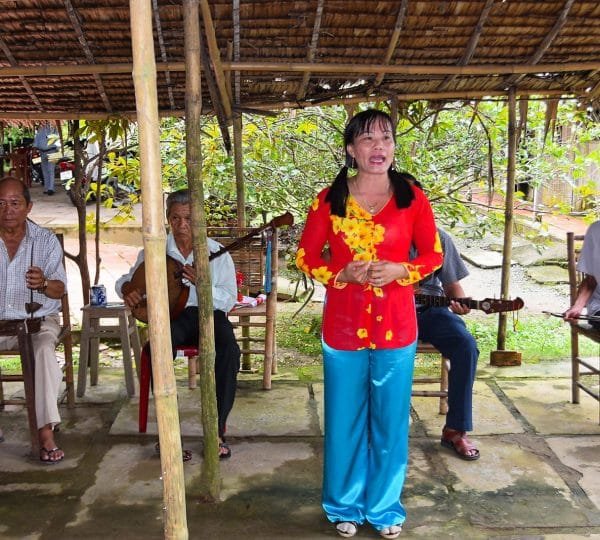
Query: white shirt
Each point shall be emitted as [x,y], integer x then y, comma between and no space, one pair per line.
[222,275]
[40,247]
[589,263]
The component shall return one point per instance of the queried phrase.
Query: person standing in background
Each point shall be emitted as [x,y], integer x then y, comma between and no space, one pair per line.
[44,139]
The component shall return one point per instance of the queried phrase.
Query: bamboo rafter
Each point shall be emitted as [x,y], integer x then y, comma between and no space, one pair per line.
[310,55]
[74,18]
[473,40]
[545,44]
[393,40]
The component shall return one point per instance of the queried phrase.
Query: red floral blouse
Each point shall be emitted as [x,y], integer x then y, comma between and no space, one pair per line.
[360,316]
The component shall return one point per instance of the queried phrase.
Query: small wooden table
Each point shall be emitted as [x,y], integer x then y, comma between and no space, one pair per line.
[93,330]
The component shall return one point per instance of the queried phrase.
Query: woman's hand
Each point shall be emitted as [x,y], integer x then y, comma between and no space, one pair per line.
[383,272]
[355,272]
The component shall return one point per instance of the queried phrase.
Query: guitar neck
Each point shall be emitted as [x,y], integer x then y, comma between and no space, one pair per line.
[444,301]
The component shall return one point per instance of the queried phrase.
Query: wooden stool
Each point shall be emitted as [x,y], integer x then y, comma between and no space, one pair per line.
[442,393]
[93,329]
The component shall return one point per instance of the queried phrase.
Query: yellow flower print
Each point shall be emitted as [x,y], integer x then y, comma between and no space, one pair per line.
[368,308]
[300,262]
[378,233]
[315,204]
[366,256]
[389,335]
[322,274]
[379,318]
[378,291]
[437,247]
[350,227]
[372,346]
[336,224]
[362,333]
[414,274]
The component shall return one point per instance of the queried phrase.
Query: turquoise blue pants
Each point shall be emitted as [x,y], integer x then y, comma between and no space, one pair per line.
[367,406]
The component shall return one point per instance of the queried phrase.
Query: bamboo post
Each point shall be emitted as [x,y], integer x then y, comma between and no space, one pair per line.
[210,474]
[239,169]
[165,390]
[501,357]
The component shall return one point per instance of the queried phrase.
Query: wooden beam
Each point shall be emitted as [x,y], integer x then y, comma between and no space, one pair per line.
[310,55]
[74,18]
[545,44]
[393,40]
[299,67]
[163,50]
[473,40]
[24,82]
[217,103]
[215,58]
[268,109]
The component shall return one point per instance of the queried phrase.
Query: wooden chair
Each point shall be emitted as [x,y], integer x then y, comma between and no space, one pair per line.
[251,260]
[442,393]
[580,367]
[66,339]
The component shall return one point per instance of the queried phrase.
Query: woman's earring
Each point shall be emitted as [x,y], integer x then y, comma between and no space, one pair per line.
[353,166]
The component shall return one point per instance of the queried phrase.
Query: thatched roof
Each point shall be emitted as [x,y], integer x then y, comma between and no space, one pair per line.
[72,58]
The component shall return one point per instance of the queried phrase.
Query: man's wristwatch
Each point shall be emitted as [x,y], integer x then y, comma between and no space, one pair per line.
[44,286]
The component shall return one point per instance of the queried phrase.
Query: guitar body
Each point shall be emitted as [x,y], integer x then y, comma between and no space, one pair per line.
[177,291]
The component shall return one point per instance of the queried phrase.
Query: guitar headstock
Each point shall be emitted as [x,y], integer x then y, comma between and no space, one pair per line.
[286,219]
[494,305]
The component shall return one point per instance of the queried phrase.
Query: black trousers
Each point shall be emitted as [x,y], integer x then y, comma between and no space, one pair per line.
[185,331]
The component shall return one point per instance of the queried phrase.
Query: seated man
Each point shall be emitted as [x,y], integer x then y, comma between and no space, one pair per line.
[588,294]
[447,332]
[31,270]
[184,329]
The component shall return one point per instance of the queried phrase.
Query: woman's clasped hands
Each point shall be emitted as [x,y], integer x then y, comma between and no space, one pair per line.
[375,273]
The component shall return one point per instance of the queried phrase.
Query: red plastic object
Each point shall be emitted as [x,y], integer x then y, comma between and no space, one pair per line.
[145,372]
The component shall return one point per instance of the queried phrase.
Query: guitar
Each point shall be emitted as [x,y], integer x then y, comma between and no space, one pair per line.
[489,305]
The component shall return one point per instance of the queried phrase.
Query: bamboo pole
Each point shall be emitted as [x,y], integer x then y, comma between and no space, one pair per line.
[314,67]
[210,474]
[165,390]
[496,357]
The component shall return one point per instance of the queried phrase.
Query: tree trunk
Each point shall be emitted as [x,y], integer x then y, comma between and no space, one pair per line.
[165,389]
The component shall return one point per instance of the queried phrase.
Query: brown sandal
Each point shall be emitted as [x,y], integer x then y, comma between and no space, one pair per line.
[457,441]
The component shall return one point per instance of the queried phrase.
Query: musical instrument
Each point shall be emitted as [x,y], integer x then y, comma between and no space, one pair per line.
[488,305]
[178,292]
[591,318]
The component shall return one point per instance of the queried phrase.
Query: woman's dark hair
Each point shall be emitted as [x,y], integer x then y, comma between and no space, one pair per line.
[338,193]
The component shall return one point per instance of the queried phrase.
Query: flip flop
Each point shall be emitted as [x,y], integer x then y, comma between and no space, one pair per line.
[227,453]
[185,454]
[48,456]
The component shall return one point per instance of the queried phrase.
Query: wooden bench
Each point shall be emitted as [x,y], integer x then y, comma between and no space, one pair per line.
[251,260]
[581,367]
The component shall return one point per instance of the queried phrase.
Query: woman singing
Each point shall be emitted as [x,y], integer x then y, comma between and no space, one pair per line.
[356,242]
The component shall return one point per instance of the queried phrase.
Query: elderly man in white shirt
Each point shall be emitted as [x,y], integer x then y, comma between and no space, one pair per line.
[31,270]
[185,327]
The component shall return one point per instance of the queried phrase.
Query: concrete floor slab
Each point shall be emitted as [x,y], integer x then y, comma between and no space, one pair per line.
[545,404]
[581,454]
[490,415]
